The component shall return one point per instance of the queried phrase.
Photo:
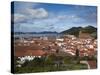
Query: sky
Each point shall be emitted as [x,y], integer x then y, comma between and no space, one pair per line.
[39,17]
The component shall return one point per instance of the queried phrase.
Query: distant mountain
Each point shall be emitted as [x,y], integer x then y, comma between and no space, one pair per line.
[75,30]
[48,32]
[72,31]
[89,29]
[45,32]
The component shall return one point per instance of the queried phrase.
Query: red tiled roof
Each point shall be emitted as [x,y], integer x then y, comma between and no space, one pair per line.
[19,53]
[92,64]
[35,52]
[29,53]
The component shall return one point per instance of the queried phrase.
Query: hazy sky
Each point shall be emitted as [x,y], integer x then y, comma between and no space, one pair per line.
[38,17]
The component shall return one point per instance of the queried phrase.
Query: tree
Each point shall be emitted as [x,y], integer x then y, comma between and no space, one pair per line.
[77,55]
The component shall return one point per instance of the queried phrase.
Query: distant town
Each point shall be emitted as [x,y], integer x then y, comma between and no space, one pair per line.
[56,51]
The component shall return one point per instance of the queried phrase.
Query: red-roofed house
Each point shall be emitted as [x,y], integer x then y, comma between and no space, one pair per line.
[29,54]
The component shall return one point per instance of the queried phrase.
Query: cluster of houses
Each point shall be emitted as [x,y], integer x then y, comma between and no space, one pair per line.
[26,49]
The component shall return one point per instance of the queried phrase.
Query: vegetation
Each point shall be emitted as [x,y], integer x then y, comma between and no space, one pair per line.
[75,31]
[89,29]
[50,63]
[72,31]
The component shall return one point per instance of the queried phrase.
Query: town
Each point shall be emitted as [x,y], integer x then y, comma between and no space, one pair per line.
[27,49]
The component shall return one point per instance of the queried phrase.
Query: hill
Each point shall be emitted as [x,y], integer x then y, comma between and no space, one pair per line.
[75,31]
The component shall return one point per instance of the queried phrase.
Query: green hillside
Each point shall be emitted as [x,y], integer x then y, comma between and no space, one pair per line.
[75,31]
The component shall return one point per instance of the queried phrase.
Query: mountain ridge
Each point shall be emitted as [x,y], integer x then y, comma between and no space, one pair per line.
[75,30]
